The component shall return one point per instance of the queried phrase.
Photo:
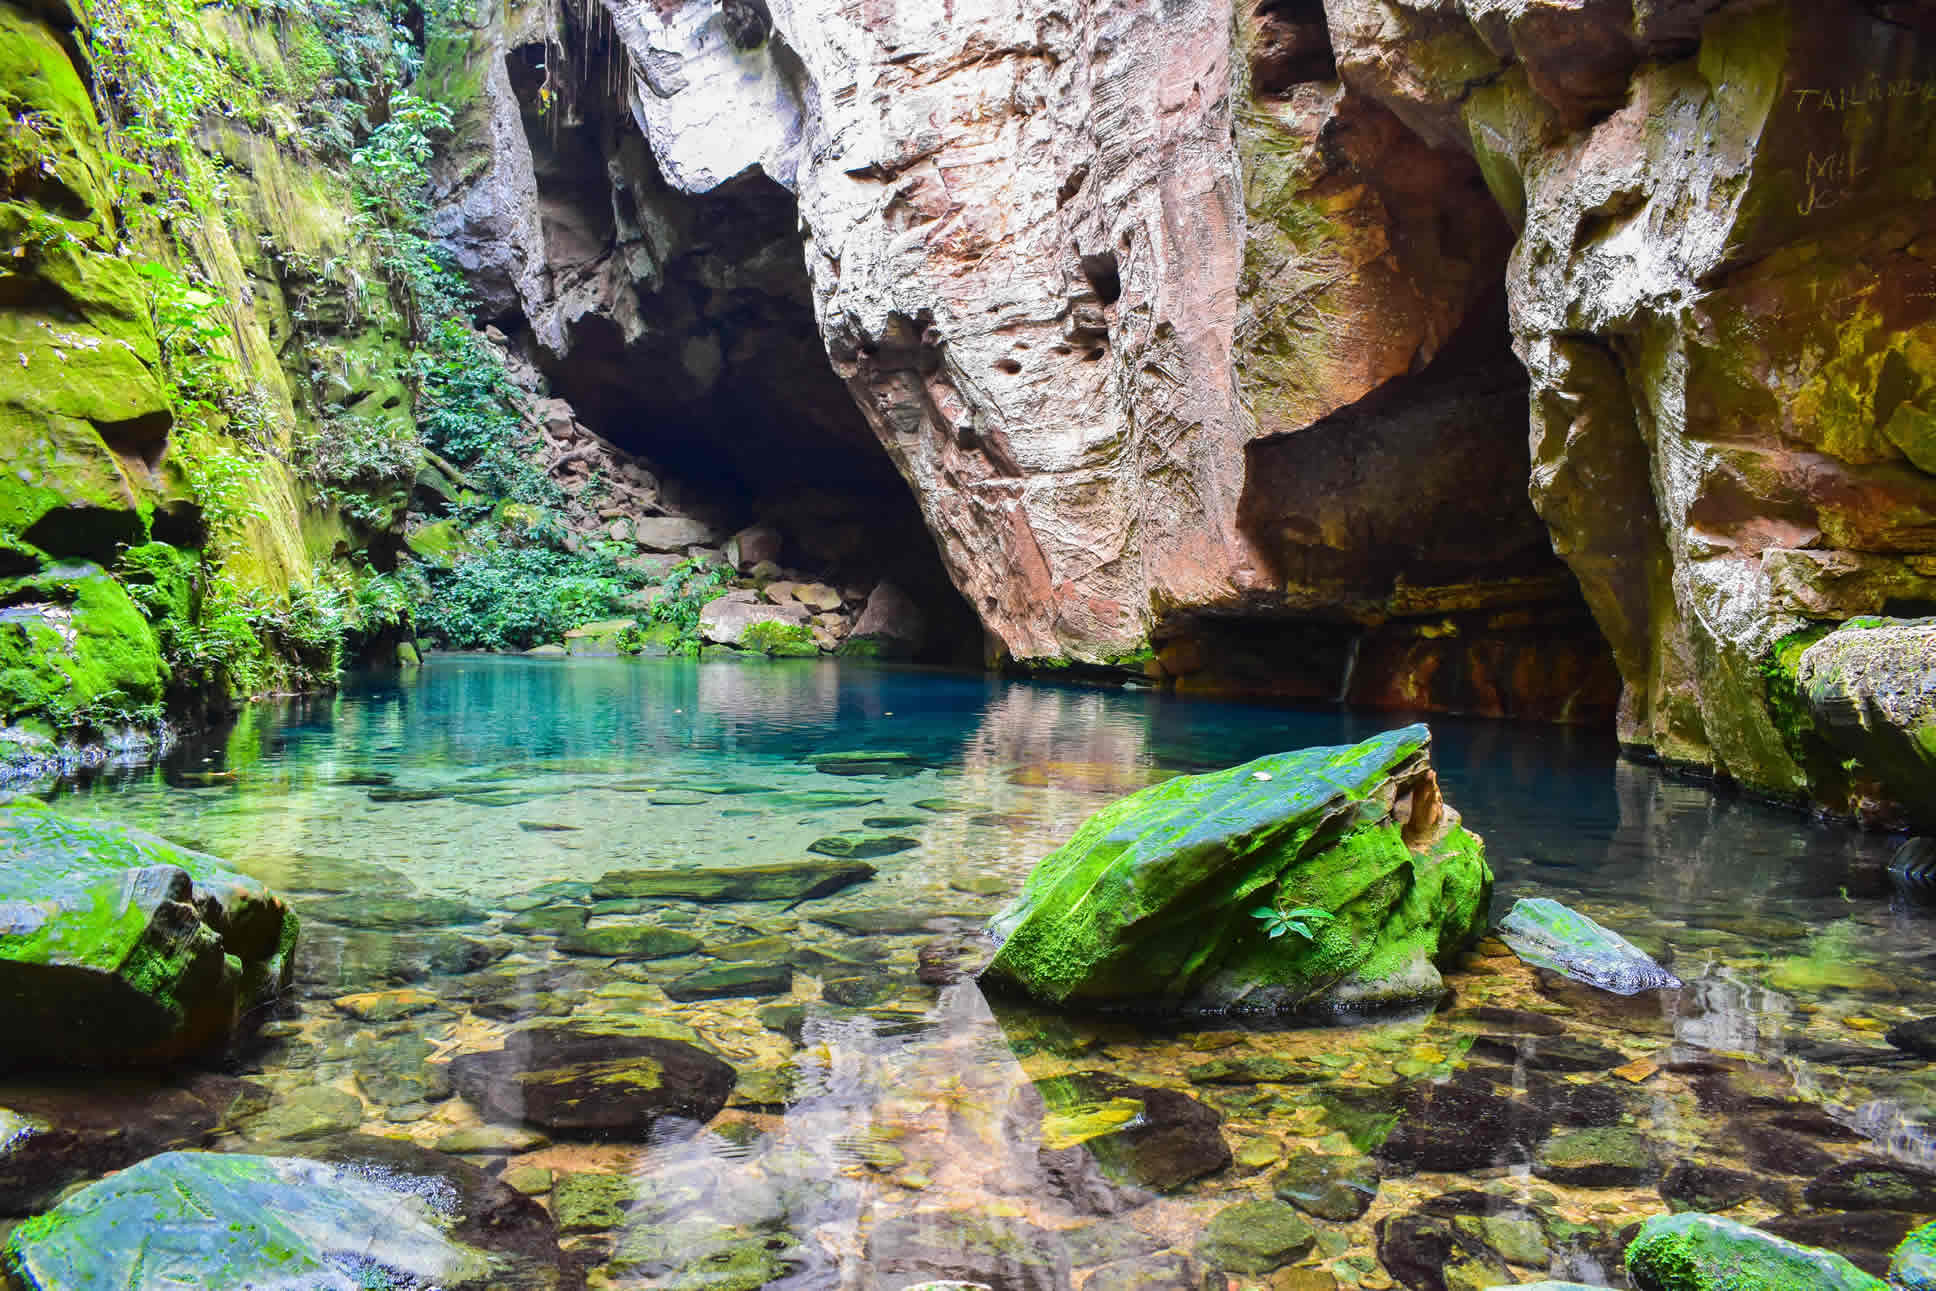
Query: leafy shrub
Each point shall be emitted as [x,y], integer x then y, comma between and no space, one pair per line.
[513,595]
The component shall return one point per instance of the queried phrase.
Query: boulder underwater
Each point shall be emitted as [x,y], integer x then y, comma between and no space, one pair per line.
[118,948]
[1325,880]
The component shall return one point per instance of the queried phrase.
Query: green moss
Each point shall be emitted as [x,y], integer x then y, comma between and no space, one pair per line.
[75,649]
[1694,1252]
[786,640]
[1787,706]
[1150,902]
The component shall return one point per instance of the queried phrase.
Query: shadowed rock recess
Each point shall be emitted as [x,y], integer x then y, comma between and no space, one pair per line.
[1208,349]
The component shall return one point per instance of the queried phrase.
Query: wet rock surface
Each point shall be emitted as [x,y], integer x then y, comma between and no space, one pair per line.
[1547,935]
[229,1221]
[120,948]
[54,1133]
[1108,1144]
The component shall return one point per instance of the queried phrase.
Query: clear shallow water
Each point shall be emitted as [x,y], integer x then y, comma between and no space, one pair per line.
[417,823]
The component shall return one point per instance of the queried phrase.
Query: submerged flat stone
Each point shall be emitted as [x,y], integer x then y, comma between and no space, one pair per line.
[584,1082]
[1167,899]
[888,763]
[1548,935]
[119,947]
[629,941]
[863,847]
[780,881]
[1106,1142]
[732,981]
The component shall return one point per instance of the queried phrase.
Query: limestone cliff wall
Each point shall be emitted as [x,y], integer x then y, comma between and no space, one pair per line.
[1209,340]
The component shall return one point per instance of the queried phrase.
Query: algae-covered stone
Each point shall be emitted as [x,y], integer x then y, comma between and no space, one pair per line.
[1104,1140]
[629,941]
[1548,935]
[1694,1252]
[119,947]
[1156,900]
[1255,1237]
[586,1082]
[224,1223]
[780,881]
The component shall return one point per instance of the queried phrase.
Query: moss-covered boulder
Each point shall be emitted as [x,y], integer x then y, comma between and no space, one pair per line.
[117,947]
[1693,1252]
[74,647]
[1330,877]
[225,1223]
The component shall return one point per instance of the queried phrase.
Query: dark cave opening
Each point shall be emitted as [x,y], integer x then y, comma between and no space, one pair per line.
[1291,46]
[690,340]
[1415,572]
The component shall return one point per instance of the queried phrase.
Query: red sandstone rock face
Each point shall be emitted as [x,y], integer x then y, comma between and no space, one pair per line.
[1185,331]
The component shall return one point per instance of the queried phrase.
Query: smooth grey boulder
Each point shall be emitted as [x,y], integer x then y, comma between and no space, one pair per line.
[1548,935]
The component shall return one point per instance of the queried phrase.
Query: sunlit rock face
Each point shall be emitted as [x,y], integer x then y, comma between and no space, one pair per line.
[1206,340]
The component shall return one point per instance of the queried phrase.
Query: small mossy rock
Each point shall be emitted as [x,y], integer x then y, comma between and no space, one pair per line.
[1334,1188]
[891,764]
[403,913]
[117,947]
[1693,1252]
[732,981]
[313,1113]
[585,1082]
[586,1201]
[1871,1183]
[629,941]
[863,847]
[1548,935]
[1255,1237]
[1913,1265]
[781,881]
[1606,1157]
[226,1223]
[1107,1143]
[1151,904]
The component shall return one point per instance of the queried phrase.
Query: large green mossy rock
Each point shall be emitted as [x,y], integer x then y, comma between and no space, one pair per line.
[74,647]
[224,1223]
[1151,904]
[117,947]
[1694,1252]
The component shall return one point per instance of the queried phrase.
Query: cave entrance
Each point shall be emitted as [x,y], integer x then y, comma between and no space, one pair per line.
[685,334]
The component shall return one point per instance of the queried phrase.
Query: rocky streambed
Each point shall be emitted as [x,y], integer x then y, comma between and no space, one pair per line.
[580,1060]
